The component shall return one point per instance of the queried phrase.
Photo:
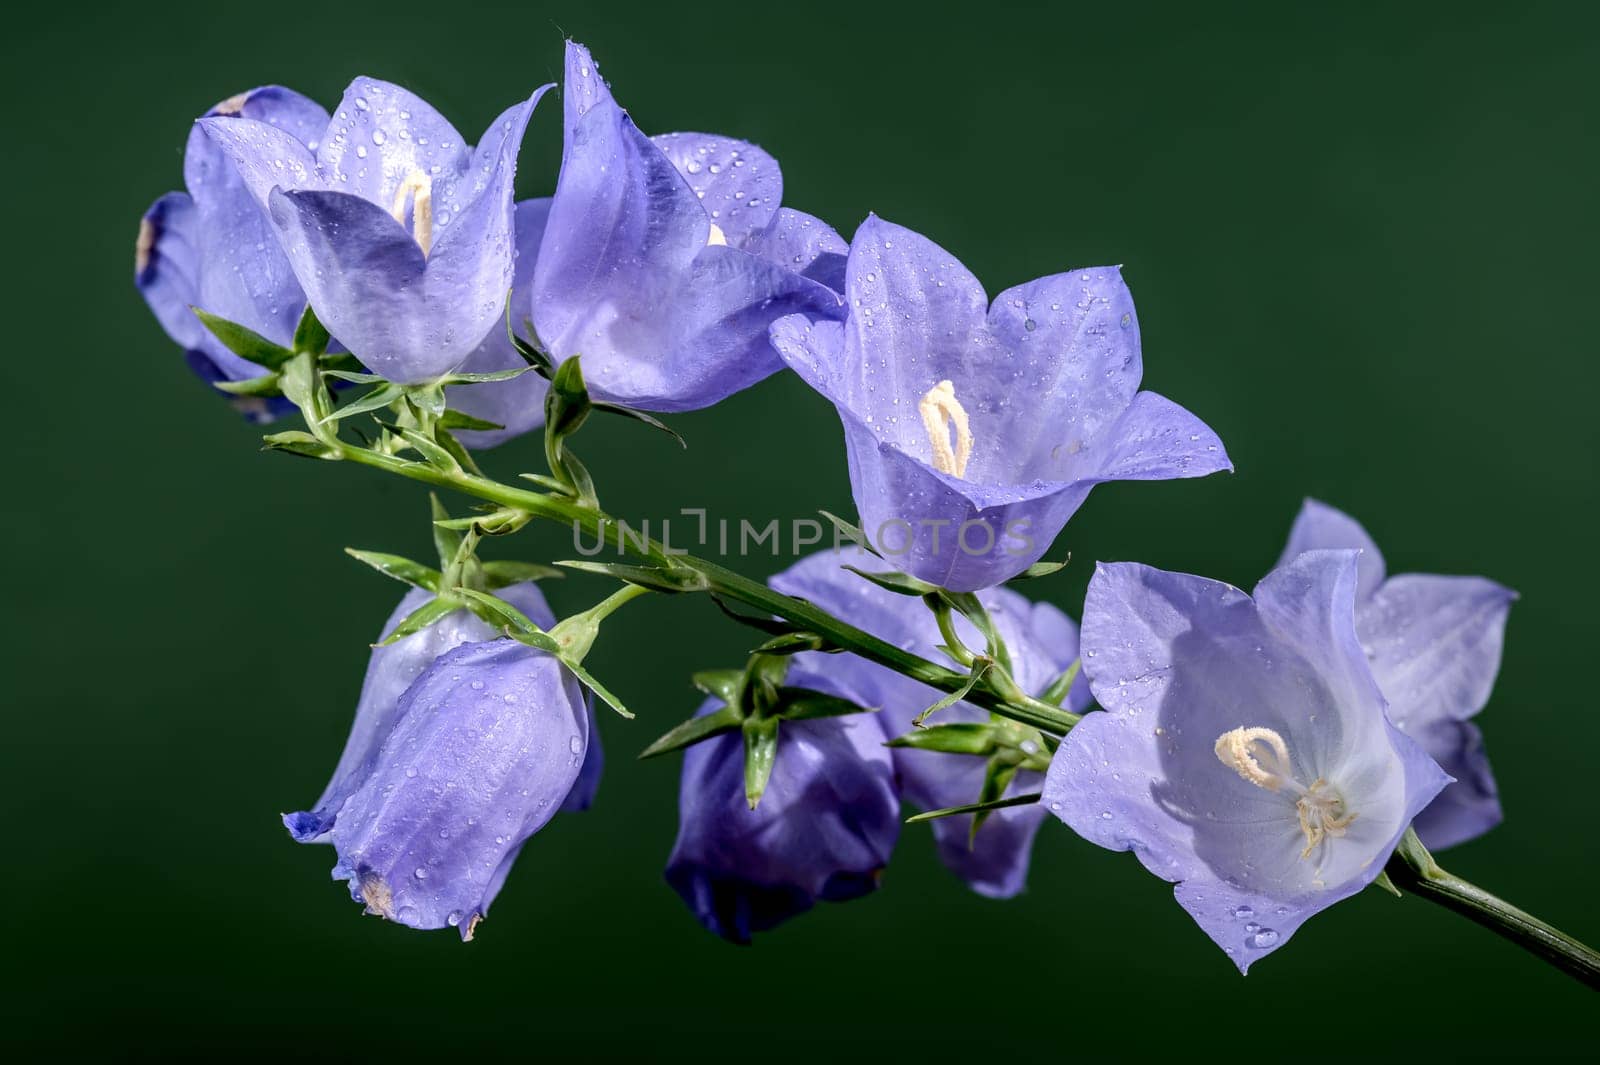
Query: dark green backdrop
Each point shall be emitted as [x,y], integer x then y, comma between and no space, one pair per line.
[1361,242]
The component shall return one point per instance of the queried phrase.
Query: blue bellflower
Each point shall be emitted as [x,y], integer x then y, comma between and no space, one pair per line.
[975,431]
[665,260]
[1042,641]
[824,829]
[1244,752]
[1434,643]
[212,247]
[399,232]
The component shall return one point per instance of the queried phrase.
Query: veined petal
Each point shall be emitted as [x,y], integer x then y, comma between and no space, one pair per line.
[381,135]
[1321,527]
[265,156]
[1470,805]
[584,789]
[808,246]
[166,263]
[207,171]
[738,184]
[1153,440]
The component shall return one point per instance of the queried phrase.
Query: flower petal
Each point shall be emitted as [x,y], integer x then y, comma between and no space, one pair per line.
[738,184]
[1321,527]
[808,246]
[167,264]
[1154,440]
[584,789]
[1470,805]
[382,134]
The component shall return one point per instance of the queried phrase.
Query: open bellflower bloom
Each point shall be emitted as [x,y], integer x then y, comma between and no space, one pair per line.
[975,431]
[824,829]
[213,248]
[393,669]
[665,260]
[399,232]
[1042,641]
[1434,643]
[1244,752]
[487,744]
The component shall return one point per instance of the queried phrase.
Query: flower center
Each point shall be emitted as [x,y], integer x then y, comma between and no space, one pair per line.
[1260,757]
[941,412]
[717,237]
[418,188]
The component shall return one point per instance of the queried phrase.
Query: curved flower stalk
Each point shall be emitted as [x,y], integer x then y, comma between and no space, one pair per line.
[1434,643]
[824,828]
[1043,644]
[213,248]
[399,232]
[391,670]
[665,260]
[1244,752]
[976,430]
[487,744]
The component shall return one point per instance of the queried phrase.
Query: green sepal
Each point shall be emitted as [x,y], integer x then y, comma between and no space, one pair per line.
[567,404]
[640,416]
[446,541]
[493,521]
[960,737]
[421,618]
[1042,569]
[997,777]
[457,450]
[956,696]
[976,807]
[432,453]
[656,578]
[760,753]
[805,704]
[1056,693]
[296,442]
[484,378]
[1382,881]
[265,385]
[725,684]
[692,731]
[502,615]
[899,583]
[549,483]
[310,335]
[243,342]
[529,353]
[587,680]
[355,377]
[850,532]
[377,399]
[790,643]
[768,625]
[401,569]
[454,419]
[503,574]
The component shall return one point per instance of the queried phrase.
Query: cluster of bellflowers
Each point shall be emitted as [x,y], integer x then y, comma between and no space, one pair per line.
[1269,753]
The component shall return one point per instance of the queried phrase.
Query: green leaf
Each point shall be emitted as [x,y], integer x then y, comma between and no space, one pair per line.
[804,704]
[997,777]
[401,569]
[376,399]
[446,541]
[956,696]
[454,419]
[692,731]
[421,618]
[542,481]
[485,378]
[771,626]
[355,377]
[431,452]
[265,385]
[1057,692]
[310,336]
[1386,884]
[641,416]
[588,681]
[725,684]
[850,532]
[503,574]
[457,450]
[566,405]
[960,737]
[760,754]
[502,615]
[245,343]
[790,643]
[297,443]
[976,807]
[656,578]
[899,583]
[529,353]
[1042,569]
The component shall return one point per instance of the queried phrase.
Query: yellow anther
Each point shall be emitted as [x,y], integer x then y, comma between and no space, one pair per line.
[417,187]
[1261,757]
[941,412]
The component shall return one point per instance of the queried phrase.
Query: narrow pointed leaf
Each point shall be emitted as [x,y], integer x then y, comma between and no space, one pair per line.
[310,335]
[1057,692]
[790,643]
[694,730]
[401,569]
[265,385]
[954,697]
[243,342]
[485,378]
[454,419]
[501,614]
[962,737]
[850,532]
[587,680]
[656,578]
[446,541]
[298,443]
[355,377]
[1042,569]
[725,684]
[976,807]
[641,416]
[804,704]
[421,618]
[430,451]
[760,753]
[998,777]
[377,399]
[899,583]
[503,574]
[772,626]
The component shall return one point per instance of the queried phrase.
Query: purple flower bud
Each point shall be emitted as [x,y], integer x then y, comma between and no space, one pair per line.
[1244,752]
[1434,643]
[976,430]
[824,828]
[213,247]
[665,260]
[488,743]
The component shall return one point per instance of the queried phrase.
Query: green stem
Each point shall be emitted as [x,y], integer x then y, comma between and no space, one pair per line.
[716,578]
[1413,868]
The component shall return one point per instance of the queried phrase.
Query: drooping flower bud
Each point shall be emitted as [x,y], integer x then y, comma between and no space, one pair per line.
[824,828]
[487,745]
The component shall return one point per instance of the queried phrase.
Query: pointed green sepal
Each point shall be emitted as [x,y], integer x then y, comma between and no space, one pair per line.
[310,335]
[1042,569]
[769,625]
[956,696]
[376,399]
[899,583]
[960,737]
[454,419]
[446,541]
[725,684]
[790,643]
[976,807]
[503,574]
[296,442]
[401,569]
[587,680]
[692,731]
[243,342]
[502,615]
[432,453]
[656,578]
[484,378]
[760,754]
[997,777]
[805,704]
[850,532]
[640,416]
[265,385]
[1056,694]
[421,618]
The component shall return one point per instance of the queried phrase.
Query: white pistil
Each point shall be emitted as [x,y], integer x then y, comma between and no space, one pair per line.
[1261,757]
[941,412]
[717,238]
[417,187]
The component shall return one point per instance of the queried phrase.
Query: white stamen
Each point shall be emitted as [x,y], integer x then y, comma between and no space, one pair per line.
[1261,757]
[941,412]
[419,188]
[375,893]
[144,245]
[232,105]
[717,238]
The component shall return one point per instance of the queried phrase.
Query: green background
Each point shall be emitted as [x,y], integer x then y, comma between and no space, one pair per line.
[1361,240]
